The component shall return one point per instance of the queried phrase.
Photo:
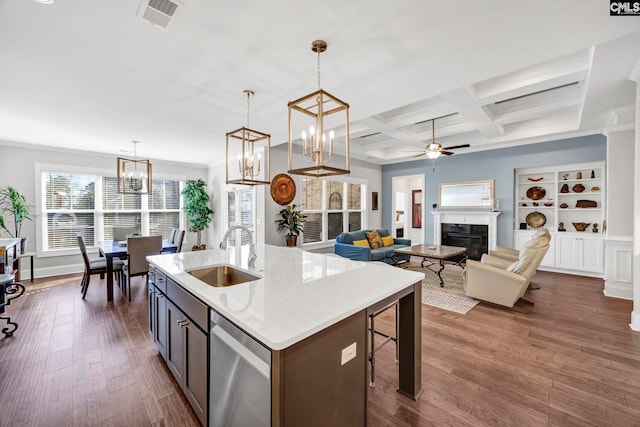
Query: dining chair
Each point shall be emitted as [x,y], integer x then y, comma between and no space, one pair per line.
[177,240]
[121,233]
[95,266]
[172,234]
[138,248]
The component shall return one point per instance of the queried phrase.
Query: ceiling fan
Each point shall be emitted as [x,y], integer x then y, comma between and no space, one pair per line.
[435,150]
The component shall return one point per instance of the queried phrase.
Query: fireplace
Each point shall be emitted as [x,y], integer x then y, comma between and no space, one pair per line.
[461,218]
[474,237]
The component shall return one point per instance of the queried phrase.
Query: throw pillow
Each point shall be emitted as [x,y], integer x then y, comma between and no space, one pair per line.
[374,239]
[387,241]
[364,242]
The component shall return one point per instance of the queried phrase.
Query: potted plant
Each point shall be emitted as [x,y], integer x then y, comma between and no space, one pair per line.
[291,219]
[14,208]
[196,205]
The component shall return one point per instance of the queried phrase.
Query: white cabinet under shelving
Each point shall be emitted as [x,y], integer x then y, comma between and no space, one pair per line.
[584,253]
[569,200]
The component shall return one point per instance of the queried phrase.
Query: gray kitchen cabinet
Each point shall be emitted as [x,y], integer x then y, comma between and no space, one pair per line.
[187,353]
[157,311]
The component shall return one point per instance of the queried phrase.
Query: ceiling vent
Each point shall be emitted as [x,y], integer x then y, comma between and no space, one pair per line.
[157,12]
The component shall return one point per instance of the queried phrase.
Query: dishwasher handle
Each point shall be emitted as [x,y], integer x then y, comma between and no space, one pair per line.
[253,359]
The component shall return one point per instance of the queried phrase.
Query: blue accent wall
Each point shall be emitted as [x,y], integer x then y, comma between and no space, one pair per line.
[498,165]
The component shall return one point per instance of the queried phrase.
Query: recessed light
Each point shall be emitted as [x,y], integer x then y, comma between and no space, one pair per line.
[45,1]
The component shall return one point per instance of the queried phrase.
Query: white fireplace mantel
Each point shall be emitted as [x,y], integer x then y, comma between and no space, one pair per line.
[466,217]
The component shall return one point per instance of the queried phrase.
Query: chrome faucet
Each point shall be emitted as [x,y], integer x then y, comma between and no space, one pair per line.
[252,246]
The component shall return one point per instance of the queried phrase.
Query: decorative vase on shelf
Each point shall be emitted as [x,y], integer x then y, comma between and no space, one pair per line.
[579,175]
[593,174]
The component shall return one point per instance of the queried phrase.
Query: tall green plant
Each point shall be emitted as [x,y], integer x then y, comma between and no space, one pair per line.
[13,207]
[291,219]
[196,205]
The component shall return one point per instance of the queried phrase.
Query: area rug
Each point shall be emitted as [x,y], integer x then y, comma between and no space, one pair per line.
[452,296]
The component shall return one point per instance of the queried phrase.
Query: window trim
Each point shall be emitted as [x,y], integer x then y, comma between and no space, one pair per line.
[40,217]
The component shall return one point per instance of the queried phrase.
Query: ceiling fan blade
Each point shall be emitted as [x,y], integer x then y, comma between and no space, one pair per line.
[447,153]
[458,146]
[421,154]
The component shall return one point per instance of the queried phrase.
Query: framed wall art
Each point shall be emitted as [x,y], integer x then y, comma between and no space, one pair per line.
[416,208]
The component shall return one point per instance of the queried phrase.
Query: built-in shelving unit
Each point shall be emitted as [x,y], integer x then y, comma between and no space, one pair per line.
[557,198]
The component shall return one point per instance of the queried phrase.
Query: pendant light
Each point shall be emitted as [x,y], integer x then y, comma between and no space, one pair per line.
[310,117]
[134,176]
[250,144]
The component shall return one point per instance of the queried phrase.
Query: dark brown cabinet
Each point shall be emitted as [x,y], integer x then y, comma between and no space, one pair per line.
[187,354]
[178,325]
[158,319]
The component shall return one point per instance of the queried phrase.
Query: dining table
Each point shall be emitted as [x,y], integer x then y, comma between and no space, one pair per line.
[110,249]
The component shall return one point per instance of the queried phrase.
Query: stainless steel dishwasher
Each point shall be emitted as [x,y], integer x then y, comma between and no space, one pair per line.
[240,382]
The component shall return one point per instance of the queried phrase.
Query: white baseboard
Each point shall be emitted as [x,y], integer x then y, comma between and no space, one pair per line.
[51,271]
[610,290]
[635,320]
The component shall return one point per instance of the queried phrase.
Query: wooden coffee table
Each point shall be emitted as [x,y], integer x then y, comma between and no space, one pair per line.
[435,255]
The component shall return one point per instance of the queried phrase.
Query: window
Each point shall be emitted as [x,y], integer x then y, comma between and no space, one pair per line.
[89,203]
[240,211]
[331,208]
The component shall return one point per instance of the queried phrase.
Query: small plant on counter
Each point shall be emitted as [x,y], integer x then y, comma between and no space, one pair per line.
[196,205]
[291,219]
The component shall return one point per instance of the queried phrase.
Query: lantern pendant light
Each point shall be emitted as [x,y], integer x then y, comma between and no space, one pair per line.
[316,113]
[134,176]
[252,145]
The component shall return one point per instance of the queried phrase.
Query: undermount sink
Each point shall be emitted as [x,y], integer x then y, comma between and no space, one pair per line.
[222,275]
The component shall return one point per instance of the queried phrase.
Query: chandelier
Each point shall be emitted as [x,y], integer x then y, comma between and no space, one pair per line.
[134,176]
[251,146]
[315,113]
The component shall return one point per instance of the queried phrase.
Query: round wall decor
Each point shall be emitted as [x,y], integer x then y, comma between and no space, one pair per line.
[283,189]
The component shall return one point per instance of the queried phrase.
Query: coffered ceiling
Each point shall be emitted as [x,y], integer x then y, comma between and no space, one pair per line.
[93,76]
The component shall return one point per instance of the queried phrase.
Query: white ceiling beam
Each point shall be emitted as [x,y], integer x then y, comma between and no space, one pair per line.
[473,111]
[531,79]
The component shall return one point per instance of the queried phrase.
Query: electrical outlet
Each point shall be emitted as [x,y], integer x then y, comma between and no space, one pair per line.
[348,353]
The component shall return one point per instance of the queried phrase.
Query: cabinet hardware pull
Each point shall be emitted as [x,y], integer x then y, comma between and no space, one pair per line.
[183,322]
[159,295]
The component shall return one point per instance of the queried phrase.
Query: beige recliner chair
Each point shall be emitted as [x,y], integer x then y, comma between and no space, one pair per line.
[500,281]
[512,255]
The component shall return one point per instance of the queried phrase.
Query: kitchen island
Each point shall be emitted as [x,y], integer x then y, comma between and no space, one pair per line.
[304,318]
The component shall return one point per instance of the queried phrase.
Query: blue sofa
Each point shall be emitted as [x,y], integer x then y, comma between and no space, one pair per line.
[344,247]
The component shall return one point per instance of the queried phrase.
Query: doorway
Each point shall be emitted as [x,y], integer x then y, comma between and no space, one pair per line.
[408,212]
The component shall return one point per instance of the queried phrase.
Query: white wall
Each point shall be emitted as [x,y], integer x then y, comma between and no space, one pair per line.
[620,149]
[17,169]
[359,169]
[618,242]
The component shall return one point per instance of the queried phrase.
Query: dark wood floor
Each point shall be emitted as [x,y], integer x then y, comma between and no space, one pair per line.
[572,360]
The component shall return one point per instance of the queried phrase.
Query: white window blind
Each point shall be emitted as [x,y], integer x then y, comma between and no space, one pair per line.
[164,207]
[69,207]
[90,204]
[240,211]
[332,207]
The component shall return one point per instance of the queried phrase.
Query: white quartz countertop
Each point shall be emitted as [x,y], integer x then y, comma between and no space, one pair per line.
[299,292]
